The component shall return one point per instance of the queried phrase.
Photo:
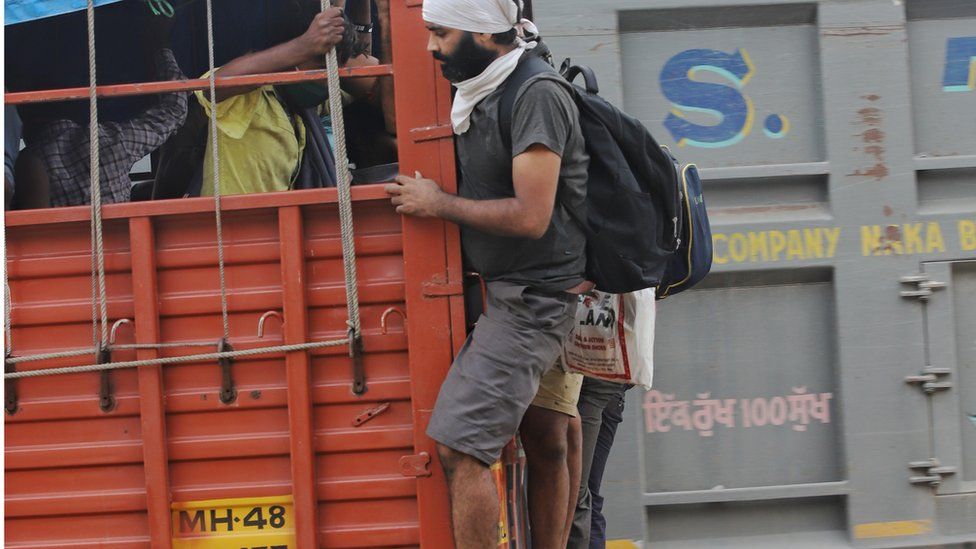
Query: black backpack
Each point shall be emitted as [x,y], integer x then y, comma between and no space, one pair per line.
[633,196]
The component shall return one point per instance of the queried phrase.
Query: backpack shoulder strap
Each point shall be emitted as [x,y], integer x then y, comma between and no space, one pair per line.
[529,67]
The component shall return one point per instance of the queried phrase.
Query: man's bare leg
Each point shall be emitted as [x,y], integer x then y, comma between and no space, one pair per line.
[474,500]
[543,433]
[574,455]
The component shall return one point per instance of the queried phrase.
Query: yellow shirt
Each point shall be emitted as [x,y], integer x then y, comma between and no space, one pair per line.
[258,146]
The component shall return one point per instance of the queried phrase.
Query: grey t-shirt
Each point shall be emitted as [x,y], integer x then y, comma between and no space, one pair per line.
[544,113]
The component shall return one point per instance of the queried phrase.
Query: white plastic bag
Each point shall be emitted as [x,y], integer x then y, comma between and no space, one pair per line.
[613,337]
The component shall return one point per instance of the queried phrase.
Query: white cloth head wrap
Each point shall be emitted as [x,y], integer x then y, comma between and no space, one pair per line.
[481,16]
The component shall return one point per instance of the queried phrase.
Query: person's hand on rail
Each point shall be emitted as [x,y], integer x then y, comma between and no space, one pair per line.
[305,51]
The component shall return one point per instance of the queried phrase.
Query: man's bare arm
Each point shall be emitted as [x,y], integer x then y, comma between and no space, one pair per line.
[324,33]
[535,175]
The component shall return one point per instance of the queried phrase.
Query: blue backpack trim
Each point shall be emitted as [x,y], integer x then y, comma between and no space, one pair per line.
[693,259]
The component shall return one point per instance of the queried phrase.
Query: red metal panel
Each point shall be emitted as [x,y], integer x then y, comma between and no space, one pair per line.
[297,371]
[358,466]
[119,90]
[152,413]
[429,320]
[64,457]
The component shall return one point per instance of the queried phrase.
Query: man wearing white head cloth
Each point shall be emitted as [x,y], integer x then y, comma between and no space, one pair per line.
[517,196]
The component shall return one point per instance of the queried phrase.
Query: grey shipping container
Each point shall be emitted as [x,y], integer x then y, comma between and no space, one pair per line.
[819,388]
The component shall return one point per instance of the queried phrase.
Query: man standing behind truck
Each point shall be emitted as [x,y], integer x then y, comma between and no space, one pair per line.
[530,252]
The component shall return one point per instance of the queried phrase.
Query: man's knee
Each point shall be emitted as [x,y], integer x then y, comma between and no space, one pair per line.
[453,460]
[546,437]
[448,456]
[574,437]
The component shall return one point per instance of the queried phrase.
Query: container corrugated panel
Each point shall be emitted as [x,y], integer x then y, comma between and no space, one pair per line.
[809,393]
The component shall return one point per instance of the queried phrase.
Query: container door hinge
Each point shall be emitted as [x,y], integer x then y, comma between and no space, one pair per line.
[924,287]
[933,472]
[929,380]
[417,465]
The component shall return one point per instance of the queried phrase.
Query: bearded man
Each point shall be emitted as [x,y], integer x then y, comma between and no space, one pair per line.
[515,206]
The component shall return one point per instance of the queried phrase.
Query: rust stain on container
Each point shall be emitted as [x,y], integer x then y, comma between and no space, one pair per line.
[878,171]
[893,233]
[873,135]
[870,115]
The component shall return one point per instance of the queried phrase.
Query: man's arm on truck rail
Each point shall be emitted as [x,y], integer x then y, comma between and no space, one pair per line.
[535,176]
[151,128]
[322,35]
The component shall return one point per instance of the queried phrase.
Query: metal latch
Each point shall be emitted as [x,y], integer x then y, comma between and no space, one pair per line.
[928,380]
[10,388]
[441,288]
[924,287]
[358,366]
[934,471]
[228,392]
[431,133]
[417,465]
[370,414]
[106,391]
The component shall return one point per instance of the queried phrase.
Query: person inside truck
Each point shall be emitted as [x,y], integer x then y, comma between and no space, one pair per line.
[263,130]
[506,377]
[54,168]
[370,133]
[260,143]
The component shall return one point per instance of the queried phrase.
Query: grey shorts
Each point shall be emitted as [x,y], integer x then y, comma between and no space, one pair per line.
[496,374]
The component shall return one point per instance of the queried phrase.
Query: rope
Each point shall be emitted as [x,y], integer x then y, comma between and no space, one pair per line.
[94,290]
[343,184]
[216,172]
[177,359]
[128,346]
[98,246]
[7,330]
[98,260]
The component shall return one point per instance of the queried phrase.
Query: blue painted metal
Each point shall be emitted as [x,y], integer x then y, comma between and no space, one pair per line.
[21,11]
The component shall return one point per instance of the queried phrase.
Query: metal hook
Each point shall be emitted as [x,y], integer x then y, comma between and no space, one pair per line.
[265,317]
[115,328]
[387,313]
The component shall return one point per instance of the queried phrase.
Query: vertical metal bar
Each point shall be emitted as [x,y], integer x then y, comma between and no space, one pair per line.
[423,100]
[299,376]
[152,410]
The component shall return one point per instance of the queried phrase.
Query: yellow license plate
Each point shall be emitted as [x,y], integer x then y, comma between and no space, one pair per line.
[241,523]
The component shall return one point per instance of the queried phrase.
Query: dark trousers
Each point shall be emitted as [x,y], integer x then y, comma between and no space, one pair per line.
[601,407]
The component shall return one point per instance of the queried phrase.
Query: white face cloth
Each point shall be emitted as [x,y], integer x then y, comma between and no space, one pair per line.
[481,16]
